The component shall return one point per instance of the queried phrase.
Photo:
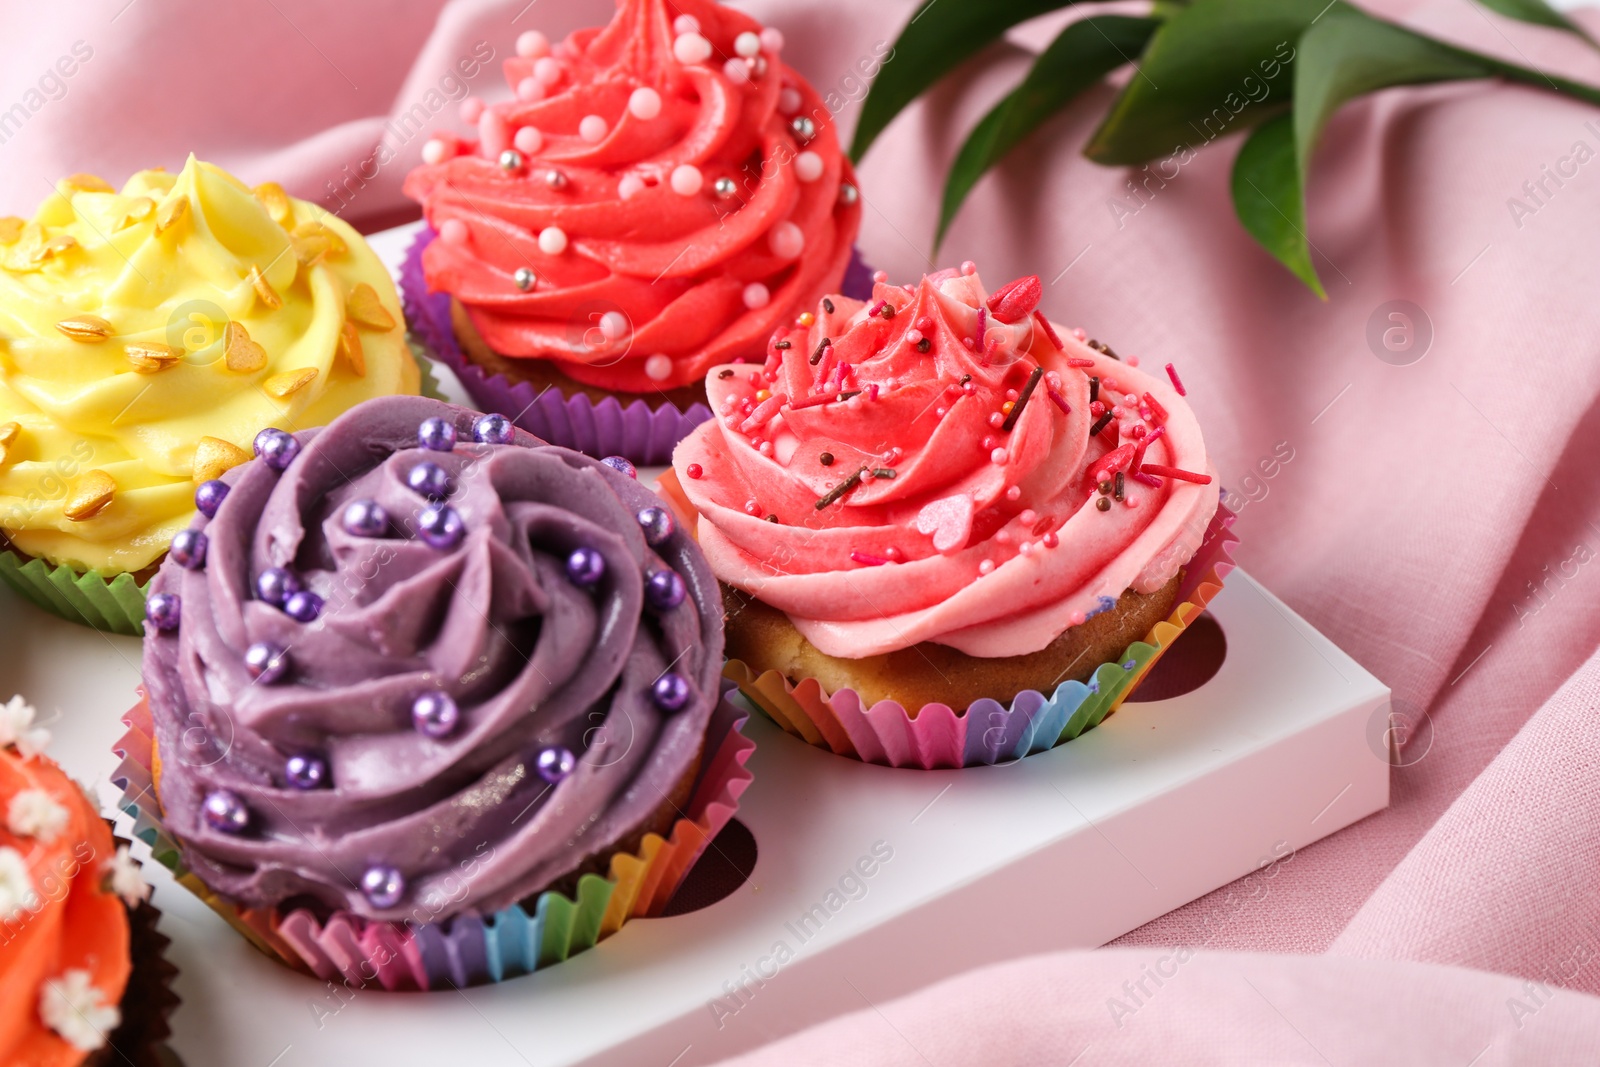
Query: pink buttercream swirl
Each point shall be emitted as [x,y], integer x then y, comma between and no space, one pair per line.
[890,476]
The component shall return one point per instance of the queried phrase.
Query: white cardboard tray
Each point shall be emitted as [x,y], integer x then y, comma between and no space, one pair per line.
[1162,803]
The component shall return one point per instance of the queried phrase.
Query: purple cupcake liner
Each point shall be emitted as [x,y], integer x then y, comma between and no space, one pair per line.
[606,428]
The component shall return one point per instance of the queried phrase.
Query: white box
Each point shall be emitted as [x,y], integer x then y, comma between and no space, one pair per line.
[1162,803]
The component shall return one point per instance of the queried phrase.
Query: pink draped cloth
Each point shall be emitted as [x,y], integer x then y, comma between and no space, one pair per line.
[1439,520]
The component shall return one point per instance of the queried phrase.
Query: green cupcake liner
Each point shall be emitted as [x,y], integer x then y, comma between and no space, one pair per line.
[111,605]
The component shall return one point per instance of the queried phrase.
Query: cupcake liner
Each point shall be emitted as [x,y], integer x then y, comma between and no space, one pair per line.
[607,428]
[148,1001]
[466,949]
[987,732]
[115,603]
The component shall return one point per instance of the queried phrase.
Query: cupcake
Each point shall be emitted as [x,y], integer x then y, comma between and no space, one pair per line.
[933,503]
[82,981]
[657,197]
[431,701]
[149,335]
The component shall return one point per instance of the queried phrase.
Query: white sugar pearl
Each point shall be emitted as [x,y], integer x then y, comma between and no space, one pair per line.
[471,109]
[629,186]
[435,151]
[789,100]
[691,48]
[658,367]
[772,39]
[644,104]
[552,240]
[547,70]
[592,129]
[808,166]
[747,45]
[786,241]
[528,140]
[687,179]
[756,295]
[614,324]
[685,24]
[533,45]
[529,90]
[737,71]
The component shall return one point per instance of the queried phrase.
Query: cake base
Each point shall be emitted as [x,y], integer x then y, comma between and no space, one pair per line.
[930,673]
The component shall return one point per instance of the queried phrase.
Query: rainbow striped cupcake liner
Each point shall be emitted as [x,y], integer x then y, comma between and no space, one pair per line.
[465,950]
[604,428]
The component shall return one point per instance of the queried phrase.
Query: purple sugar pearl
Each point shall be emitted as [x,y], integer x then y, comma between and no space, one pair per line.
[306,771]
[266,662]
[225,811]
[555,763]
[436,434]
[303,606]
[670,692]
[585,566]
[384,886]
[276,585]
[435,714]
[494,429]
[440,525]
[430,480]
[620,463]
[164,610]
[365,518]
[657,525]
[188,549]
[208,497]
[276,448]
[664,590]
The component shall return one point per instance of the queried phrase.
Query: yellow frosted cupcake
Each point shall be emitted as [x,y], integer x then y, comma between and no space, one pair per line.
[146,338]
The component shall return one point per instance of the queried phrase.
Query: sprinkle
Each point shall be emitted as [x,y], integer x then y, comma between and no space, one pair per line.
[747,45]
[997,456]
[724,374]
[981,329]
[782,346]
[658,367]
[827,305]
[764,412]
[1076,362]
[1121,485]
[872,391]
[805,318]
[752,508]
[1058,400]
[840,490]
[687,179]
[1178,473]
[1104,349]
[552,240]
[1014,493]
[593,129]
[772,519]
[1101,423]
[924,345]
[691,48]
[1104,503]
[1094,390]
[1049,331]
[1050,540]
[913,336]
[826,459]
[1156,408]
[786,241]
[1177,382]
[1100,470]
[822,347]
[986,567]
[756,296]
[1144,443]
[694,470]
[1022,398]
[870,561]
[1145,479]
[884,472]
[644,104]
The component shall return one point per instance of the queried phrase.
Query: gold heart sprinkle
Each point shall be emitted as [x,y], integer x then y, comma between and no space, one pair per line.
[243,354]
[89,329]
[269,296]
[138,209]
[88,183]
[11,229]
[60,244]
[213,457]
[90,495]
[285,385]
[9,432]
[148,357]
[171,213]
[350,349]
[313,228]
[364,306]
[311,248]
[276,201]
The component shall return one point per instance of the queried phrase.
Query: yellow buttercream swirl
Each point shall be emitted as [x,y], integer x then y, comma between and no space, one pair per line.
[116,313]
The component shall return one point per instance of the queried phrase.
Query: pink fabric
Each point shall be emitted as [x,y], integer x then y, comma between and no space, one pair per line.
[1438,520]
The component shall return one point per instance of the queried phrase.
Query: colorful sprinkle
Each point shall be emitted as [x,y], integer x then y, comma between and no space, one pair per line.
[868,560]
[1022,398]
[840,490]
[1177,383]
[1177,473]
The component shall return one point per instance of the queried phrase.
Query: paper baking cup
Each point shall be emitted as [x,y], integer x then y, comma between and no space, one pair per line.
[467,949]
[608,427]
[115,603]
[148,1001]
[987,732]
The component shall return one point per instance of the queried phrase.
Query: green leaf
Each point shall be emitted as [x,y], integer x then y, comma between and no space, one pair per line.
[1537,12]
[1079,57]
[937,39]
[1213,68]
[1269,200]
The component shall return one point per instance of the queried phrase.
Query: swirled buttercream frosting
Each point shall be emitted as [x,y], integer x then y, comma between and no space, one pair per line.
[146,336]
[420,663]
[940,464]
[660,194]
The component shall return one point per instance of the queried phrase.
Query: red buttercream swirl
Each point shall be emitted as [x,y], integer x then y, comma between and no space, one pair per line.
[697,273]
[922,467]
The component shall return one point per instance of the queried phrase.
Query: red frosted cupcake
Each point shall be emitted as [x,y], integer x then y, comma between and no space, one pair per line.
[659,196]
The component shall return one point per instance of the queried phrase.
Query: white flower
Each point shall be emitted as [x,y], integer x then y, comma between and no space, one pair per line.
[74,1008]
[35,813]
[126,881]
[16,728]
[16,886]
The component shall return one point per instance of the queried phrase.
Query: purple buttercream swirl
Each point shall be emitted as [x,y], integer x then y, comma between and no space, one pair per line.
[533,660]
